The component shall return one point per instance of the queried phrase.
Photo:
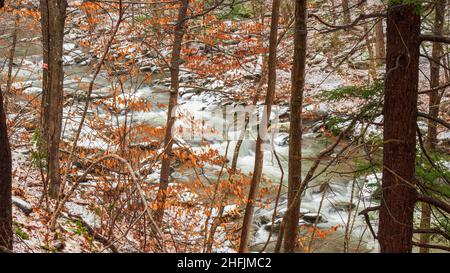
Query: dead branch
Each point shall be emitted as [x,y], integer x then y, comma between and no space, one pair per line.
[437,203]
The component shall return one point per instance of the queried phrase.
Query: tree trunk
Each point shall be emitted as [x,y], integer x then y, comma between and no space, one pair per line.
[259,153]
[12,53]
[369,45]
[296,126]
[380,49]
[6,235]
[174,86]
[433,108]
[400,116]
[346,11]
[53,20]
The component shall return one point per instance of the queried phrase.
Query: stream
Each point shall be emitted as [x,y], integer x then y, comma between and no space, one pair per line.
[334,190]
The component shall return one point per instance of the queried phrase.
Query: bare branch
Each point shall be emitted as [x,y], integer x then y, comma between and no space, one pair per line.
[437,203]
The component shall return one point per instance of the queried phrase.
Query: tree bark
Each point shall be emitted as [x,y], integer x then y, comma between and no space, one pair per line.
[296,126]
[53,20]
[259,153]
[346,12]
[173,101]
[380,49]
[433,110]
[12,53]
[6,235]
[400,115]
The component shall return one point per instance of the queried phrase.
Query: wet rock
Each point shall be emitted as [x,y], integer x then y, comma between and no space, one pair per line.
[276,226]
[324,187]
[313,217]
[282,139]
[264,220]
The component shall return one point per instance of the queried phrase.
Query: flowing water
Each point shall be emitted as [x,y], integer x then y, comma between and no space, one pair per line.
[334,201]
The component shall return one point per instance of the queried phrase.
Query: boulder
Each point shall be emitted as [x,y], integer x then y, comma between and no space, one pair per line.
[313,217]
[23,205]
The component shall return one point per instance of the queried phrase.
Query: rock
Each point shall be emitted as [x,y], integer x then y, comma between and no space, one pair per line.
[276,226]
[148,68]
[313,217]
[58,245]
[304,211]
[282,139]
[362,65]
[231,212]
[23,205]
[318,59]
[341,206]
[284,127]
[324,187]
[33,90]
[69,46]
[316,126]
[264,220]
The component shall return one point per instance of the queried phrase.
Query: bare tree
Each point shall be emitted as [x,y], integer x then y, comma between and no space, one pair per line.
[259,153]
[433,108]
[6,234]
[296,126]
[53,16]
[173,101]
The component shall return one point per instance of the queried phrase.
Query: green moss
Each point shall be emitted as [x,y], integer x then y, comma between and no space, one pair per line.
[21,233]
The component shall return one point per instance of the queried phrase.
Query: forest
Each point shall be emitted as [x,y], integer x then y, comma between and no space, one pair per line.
[224,126]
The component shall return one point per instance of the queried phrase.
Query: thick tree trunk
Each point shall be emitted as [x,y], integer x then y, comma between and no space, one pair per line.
[296,126]
[400,115]
[53,20]
[433,109]
[6,235]
[259,153]
[173,101]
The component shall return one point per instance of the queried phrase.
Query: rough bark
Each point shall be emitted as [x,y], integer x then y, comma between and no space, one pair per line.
[433,109]
[400,115]
[173,101]
[296,126]
[259,153]
[53,20]
[6,235]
